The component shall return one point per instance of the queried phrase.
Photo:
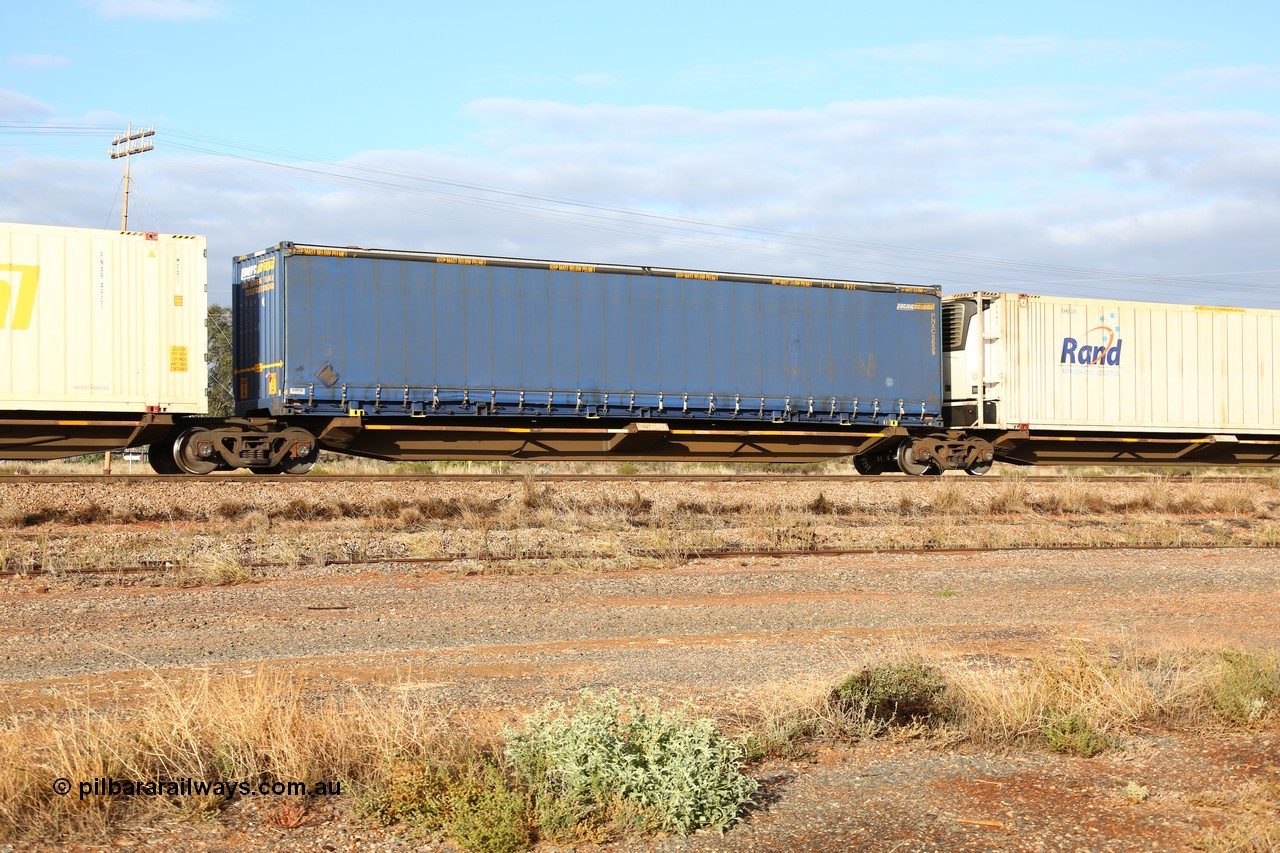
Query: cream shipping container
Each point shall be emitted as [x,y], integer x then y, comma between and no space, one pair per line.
[101,321]
[1092,370]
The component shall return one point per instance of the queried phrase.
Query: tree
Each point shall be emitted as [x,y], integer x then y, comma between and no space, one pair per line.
[222,401]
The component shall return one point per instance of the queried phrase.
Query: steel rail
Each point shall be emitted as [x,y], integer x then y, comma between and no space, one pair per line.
[683,555]
[619,478]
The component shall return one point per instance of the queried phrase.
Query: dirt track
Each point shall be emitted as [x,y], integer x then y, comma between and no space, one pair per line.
[725,634]
[714,631]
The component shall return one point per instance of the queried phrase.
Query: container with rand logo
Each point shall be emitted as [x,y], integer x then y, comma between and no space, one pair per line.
[1093,367]
[1100,346]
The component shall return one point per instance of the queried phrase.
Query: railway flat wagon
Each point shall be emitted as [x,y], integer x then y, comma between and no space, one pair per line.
[411,355]
[102,338]
[1057,380]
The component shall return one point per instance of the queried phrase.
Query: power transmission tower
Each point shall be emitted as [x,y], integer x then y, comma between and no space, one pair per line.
[124,145]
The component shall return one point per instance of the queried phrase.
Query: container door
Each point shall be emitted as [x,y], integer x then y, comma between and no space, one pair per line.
[258,331]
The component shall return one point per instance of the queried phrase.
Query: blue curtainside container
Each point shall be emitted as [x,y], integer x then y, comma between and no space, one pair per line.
[329,331]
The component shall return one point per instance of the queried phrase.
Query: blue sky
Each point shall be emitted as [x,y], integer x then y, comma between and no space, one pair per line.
[1104,149]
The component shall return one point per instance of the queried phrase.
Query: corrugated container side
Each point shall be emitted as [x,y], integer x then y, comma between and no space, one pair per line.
[102,321]
[325,329]
[1137,366]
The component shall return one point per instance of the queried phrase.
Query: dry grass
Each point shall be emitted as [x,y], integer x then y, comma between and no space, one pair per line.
[562,523]
[1081,703]
[1255,823]
[427,770]
[267,728]
[214,729]
[212,569]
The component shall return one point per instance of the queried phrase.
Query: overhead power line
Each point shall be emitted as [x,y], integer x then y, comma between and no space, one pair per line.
[958,269]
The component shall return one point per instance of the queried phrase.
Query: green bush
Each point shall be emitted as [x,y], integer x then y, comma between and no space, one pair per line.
[614,759]
[1246,689]
[470,800]
[486,815]
[891,694]
[1073,734]
[411,793]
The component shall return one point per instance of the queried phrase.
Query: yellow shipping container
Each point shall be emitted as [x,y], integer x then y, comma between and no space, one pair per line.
[102,321]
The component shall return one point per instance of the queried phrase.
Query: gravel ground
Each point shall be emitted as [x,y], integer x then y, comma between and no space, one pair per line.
[723,633]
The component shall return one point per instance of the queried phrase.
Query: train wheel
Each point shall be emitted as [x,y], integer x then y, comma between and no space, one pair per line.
[865,465]
[300,464]
[977,469]
[907,461]
[193,452]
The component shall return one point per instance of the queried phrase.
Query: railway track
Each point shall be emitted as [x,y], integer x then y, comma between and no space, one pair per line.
[688,555]
[612,478]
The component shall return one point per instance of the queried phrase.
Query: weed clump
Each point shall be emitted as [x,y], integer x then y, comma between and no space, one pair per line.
[617,763]
[949,499]
[1245,690]
[13,517]
[892,694]
[468,797]
[1072,733]
[611,766]
[1011,498]
[821,506]
[632,506]
[214,569]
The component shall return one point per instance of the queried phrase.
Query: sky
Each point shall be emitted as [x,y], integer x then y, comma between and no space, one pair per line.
[1105,149]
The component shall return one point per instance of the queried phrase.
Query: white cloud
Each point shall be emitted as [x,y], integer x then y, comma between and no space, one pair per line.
[594,80]
[1213,81]
[159,10]
[999,50]
[832,192]
[38,62]
[15,106]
